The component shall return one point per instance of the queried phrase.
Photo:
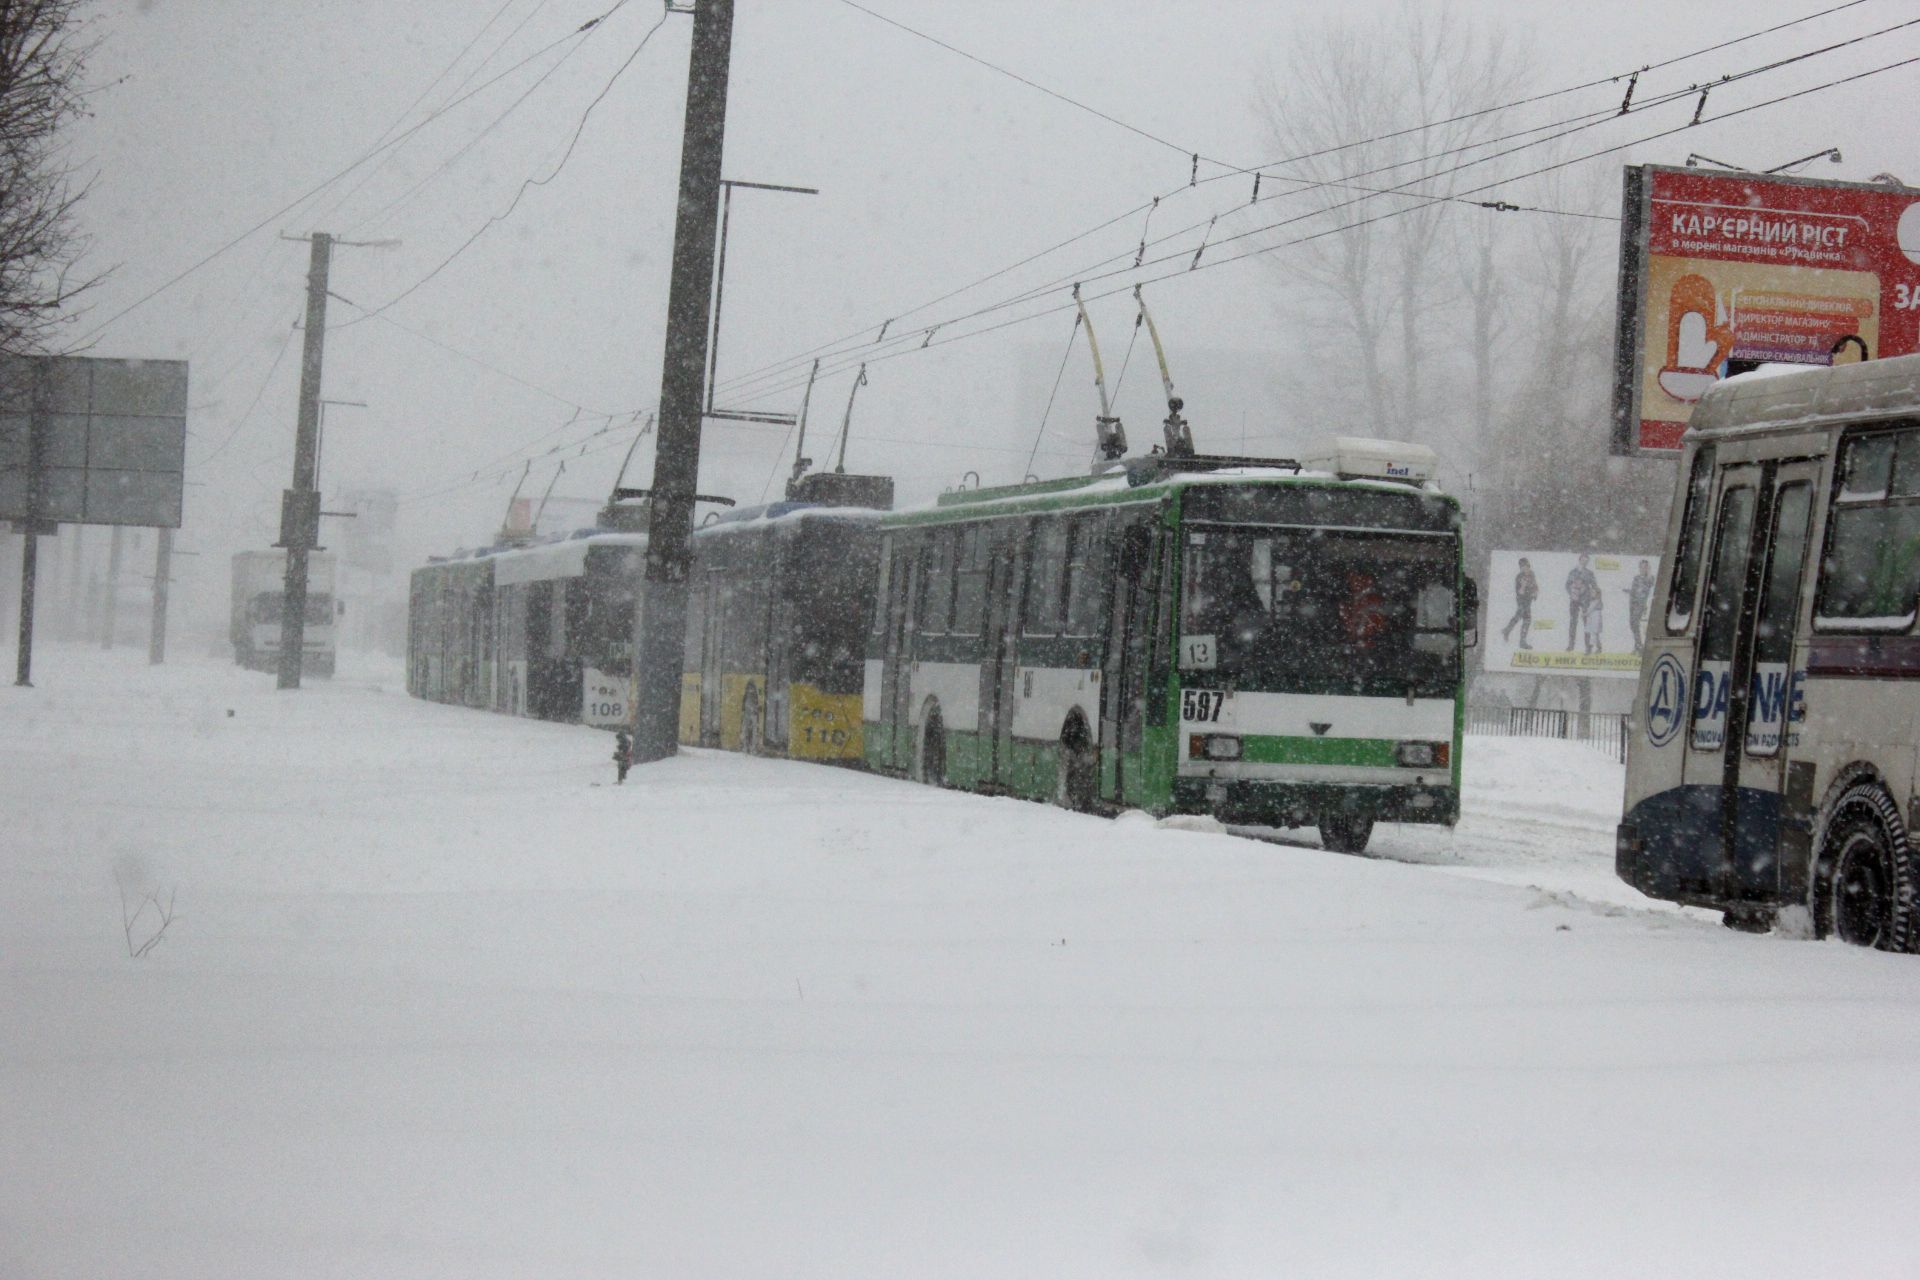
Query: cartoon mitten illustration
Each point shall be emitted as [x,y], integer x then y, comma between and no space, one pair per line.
[1696,342]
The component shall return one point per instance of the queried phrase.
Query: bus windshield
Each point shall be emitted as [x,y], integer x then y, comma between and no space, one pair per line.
[1317,611]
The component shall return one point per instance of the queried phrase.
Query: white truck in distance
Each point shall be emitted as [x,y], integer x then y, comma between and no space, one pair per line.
[259,581]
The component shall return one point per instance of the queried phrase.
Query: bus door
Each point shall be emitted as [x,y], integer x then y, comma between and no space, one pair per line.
[1124,665]
[1746,690]
[896,674]
[999,657]
[1763,772]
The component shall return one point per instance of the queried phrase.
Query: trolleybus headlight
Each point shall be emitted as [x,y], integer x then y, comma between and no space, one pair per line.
[1213,746]
[1422,755]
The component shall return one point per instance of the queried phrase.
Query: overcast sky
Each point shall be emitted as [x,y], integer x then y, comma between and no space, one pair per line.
[933,170]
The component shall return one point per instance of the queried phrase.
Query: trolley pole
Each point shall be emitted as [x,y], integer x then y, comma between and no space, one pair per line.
[661,643]
[300,505]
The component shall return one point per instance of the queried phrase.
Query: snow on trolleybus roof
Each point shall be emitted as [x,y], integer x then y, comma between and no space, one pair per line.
[1773,398]
[1389,465]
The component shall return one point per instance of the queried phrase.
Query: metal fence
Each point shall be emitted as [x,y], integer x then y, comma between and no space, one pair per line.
[1606,730]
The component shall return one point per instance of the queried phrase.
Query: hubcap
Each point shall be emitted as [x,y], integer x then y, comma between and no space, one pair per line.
[1862,893]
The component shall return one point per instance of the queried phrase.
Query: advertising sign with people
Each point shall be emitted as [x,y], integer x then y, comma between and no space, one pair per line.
[1568,612]
[1721,272]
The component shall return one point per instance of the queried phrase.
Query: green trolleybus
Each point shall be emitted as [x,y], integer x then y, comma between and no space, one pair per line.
[1272,643]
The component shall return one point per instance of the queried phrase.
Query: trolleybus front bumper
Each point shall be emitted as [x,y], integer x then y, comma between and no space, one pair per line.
[1261,803]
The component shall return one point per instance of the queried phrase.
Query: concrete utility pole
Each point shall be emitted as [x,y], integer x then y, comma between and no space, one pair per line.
[162,567]
[661,644]
[300,505]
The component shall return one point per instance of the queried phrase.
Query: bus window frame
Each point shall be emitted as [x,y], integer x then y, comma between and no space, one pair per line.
[1781,490]
[1751,487]
[1839,504]
[1699,485]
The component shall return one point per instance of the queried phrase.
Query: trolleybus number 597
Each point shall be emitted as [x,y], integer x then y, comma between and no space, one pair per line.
[1201,704]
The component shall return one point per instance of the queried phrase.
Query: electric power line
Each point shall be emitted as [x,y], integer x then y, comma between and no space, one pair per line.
[293,327]
[364,157]
[529,183]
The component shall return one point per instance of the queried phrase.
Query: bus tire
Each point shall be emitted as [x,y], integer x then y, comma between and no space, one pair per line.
[930,750]
[1345,832]
[752,740]
[1863,885]
[1077,775]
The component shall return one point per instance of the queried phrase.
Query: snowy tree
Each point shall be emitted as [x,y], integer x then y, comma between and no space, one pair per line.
[1360,116]
[43,56]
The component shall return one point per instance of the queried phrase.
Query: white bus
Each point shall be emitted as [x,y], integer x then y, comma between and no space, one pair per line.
[1771,766]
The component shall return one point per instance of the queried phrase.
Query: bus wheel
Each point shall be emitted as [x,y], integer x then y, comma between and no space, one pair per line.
[751,737]
[930,759]
[1074,779]
[1863,891]
[1346,832]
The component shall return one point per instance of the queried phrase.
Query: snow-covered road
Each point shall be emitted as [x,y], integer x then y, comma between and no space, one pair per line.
[437,1000]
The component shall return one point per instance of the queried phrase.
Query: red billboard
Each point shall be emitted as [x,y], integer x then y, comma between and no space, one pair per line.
[1721,272]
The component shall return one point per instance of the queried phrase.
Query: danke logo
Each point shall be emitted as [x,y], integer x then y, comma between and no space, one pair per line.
[1666,700]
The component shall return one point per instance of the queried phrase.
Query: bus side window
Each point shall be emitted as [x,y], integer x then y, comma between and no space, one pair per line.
[936,609]
[1773,636]
[1722,609]
[970,592]
[1086,582]
[1046,578]
[878,630]
[1870,575]
[1693,529]
[1163,625]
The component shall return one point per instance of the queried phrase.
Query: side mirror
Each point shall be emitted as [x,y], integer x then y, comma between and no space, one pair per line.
[1470,613]
[1136,551]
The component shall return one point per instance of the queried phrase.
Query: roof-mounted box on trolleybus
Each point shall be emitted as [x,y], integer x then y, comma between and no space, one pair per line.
[1356,458]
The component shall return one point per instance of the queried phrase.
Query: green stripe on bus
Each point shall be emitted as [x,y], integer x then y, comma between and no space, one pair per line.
[1374,753]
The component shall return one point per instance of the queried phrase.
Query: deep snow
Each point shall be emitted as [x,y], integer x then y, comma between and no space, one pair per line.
[438,1000]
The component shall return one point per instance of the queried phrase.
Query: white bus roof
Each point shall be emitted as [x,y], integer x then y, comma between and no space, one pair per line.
[1772,399]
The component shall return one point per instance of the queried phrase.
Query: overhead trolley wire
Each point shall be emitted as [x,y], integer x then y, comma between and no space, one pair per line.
[1264,249]
[422,96]
[785,363]
[467,147]
[237,316]
[1094,271]
[468,356]
[293,327]
[1034,84]
[529,183]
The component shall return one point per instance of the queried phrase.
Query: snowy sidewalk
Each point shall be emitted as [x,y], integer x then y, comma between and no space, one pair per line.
[437,1000]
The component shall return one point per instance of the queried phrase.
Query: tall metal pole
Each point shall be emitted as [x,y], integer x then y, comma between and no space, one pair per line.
[110,613]
[162,570]
[661,646]
[300,505]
